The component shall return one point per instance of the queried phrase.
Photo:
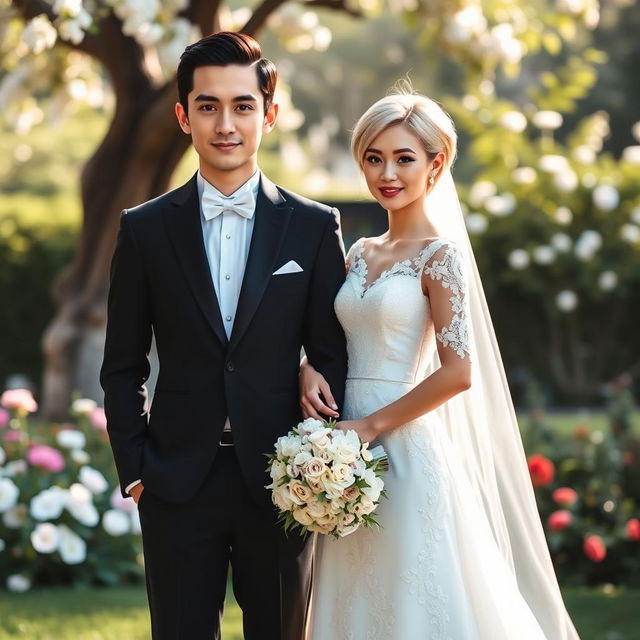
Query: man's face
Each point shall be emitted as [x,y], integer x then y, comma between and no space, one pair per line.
[226,121]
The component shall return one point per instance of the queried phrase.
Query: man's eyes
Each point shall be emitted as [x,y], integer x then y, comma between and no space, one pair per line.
[239,107]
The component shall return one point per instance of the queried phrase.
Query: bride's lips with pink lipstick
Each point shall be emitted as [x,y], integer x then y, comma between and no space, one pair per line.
[389,192]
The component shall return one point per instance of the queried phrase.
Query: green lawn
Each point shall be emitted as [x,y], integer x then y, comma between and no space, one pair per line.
[121,614]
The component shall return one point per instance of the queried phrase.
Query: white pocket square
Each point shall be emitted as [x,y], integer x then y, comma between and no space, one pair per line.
[291,267]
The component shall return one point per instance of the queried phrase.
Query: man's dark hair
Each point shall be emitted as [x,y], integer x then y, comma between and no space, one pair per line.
[221,50]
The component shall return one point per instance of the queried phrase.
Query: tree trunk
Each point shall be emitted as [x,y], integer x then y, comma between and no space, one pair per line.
[133,164]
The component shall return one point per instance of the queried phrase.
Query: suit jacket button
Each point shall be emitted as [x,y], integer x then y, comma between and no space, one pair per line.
[230,366]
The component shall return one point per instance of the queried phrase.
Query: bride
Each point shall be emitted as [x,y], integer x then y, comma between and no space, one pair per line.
[461,553]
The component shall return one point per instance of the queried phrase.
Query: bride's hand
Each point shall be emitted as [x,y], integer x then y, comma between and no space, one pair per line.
[365,430]
[313,388]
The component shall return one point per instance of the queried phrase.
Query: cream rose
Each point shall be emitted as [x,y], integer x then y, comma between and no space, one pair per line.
[314,468]
[282,498]
[300,494]
[351,493]
[302,516]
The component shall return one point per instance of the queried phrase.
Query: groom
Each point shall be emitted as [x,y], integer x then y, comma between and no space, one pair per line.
[232,275]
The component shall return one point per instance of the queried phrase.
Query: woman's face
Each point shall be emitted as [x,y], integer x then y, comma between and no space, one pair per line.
[397,168]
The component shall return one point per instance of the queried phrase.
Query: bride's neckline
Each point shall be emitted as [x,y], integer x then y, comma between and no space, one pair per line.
[406,265]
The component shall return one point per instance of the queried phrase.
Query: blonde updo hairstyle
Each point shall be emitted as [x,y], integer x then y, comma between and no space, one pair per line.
[422,116]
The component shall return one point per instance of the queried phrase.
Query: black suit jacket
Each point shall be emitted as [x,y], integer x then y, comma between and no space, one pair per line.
[161,284]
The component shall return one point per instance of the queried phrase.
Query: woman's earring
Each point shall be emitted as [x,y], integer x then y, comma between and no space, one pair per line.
[432,178]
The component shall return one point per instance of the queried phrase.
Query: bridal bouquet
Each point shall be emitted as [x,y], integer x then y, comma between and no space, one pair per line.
[326,480]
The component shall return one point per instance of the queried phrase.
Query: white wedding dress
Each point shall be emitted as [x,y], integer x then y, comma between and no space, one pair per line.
[433,571]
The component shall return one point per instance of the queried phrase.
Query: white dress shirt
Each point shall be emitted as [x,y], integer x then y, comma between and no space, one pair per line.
[227,227]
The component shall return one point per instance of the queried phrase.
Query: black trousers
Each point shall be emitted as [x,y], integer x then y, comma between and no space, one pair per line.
[188,549]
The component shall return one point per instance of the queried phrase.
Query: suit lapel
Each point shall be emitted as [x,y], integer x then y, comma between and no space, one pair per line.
[182,218]
[271,221]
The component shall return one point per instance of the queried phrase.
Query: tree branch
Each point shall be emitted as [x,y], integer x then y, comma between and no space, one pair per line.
[205,14]
[335,5]
[261,13]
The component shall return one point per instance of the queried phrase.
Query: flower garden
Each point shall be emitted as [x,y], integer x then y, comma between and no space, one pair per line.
[64,523]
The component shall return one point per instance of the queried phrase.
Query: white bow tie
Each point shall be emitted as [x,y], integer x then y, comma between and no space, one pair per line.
[213,205]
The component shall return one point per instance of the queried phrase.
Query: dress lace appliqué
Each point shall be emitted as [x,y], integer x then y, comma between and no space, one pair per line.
[448,271]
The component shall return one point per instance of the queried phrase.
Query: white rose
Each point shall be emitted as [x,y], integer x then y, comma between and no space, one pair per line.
[375,485]
[93,480]
[18,583]
[345,447]
[48,504]
[9,493]
[44,538]
[566,301]
[15,517]
[116,523]
[302,458]
[365,453]
[287,446]
[71,439]
[332,488]
[83,406]
[15,468]
[310,425]
[358,467]
[278,470]
[320,439]
[343,474]
[73,549]
[80,506]
[293,471]
[80,457]
[518,259]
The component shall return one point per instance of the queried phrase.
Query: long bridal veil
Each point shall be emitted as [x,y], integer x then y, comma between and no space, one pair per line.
[484,432]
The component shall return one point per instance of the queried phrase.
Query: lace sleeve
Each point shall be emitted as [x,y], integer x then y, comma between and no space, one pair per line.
[449,307]
[352,253]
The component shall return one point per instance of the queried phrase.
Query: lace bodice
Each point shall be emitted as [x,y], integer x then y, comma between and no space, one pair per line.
[388,322]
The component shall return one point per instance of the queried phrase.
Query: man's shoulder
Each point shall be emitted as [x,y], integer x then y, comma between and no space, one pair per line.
[151,208]
[303,204]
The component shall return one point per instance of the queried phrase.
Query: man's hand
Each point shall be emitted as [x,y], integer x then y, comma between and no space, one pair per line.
[313,388]
[136,492]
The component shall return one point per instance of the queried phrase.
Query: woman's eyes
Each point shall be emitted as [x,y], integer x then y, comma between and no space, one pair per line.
[400,160]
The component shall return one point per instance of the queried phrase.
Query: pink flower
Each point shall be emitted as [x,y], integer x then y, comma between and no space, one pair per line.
[559,520]
[46,458]
[120,503]
[19,399]
[12,435]
[541,470]
[565,496]
[633,529]
[98,418]
[4,418]
[595,548]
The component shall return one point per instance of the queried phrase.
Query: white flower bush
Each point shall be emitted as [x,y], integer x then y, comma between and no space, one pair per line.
[62,515]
